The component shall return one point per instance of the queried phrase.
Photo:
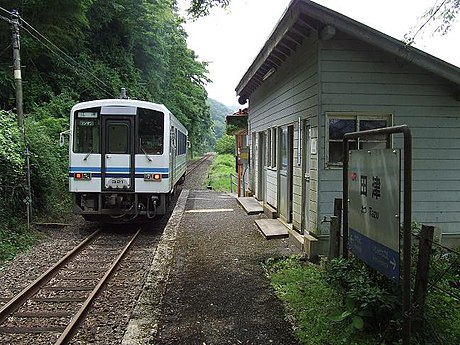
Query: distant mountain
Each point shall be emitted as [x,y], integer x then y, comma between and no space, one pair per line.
[218,112]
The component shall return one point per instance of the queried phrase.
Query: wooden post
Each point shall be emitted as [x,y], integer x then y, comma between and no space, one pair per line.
[338,213]
[336,224]
[421,277]
[334,238]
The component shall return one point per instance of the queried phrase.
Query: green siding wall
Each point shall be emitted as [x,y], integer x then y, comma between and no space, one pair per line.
[355,77]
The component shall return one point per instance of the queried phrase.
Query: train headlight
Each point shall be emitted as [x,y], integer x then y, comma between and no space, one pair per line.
[82,176]
[152,177]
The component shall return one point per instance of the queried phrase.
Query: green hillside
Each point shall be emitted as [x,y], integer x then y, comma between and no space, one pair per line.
[218,113]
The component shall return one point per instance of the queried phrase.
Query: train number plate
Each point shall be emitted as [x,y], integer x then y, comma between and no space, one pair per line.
[117,183]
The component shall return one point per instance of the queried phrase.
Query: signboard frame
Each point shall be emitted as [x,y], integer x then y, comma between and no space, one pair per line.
[407,209]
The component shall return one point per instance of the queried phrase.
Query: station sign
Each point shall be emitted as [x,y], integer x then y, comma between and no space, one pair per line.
[374,207]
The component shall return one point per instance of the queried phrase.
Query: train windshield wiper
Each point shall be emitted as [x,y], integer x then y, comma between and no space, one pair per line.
[145,153]
[87,155]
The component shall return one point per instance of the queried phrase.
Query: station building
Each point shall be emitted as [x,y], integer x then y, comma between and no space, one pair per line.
[320,75]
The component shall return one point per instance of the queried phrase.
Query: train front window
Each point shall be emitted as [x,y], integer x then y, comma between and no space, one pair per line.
[87,132]
[151,131]
[118,138]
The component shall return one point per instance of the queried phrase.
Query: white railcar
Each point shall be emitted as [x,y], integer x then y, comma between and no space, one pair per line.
[126,157]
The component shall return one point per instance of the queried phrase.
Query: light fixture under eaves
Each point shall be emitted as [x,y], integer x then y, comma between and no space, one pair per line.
[269,73]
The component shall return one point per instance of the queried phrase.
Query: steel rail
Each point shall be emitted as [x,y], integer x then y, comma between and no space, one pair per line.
[80,315]
[36,285]
[198,163]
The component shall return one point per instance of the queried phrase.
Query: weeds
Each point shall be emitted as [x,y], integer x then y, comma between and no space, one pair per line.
[311,303]
[219,172]
[15,241]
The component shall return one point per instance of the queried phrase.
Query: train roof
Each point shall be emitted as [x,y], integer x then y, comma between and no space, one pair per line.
[120,102]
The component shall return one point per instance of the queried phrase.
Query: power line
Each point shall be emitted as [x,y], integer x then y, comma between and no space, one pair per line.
[79,65]
[5,10]
[76,68]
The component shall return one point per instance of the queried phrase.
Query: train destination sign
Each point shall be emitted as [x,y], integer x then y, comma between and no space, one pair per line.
[373,212]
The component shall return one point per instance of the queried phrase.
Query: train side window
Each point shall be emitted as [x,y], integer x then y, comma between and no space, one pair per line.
[87,132]
[151,131]
[181,144]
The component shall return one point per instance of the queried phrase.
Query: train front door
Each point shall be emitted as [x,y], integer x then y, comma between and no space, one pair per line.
[117,153]
[286,151]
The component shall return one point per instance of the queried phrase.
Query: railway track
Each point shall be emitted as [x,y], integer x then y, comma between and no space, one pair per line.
[57,302]
[193,165]
[55,299]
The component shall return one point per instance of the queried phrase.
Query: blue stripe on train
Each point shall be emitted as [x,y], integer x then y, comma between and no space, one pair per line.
[99,175]
[119,170]
[152,170]
[84,169]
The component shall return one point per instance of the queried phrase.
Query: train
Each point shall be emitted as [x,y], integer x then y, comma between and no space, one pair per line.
[126,158]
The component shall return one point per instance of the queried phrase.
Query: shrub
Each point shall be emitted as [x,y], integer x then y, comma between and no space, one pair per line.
[12,178]
[226,144]
[49,166]
[371,300]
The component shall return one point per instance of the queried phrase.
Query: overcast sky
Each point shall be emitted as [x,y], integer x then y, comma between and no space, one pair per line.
[230,39]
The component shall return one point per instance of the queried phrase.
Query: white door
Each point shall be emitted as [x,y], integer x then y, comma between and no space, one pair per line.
[306,154]
[286,136]
[118,154]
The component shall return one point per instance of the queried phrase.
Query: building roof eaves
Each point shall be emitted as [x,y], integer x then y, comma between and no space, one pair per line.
[298,9]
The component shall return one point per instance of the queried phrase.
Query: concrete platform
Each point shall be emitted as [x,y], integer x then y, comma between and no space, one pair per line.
[272,228]
[250,205]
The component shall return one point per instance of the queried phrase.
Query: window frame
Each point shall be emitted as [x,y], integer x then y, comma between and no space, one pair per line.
[76,136]
[358,117]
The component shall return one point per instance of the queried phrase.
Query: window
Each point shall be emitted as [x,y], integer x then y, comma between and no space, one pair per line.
[273,152]
[284,160]
[118,138]
[338,125]
[181,143]
[269,148]
[87,131]
[151,131]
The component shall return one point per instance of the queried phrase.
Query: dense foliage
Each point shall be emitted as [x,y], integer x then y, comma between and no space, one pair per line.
[104,46]
[226,144]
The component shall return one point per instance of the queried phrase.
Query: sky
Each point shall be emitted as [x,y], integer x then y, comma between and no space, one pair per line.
[230,39]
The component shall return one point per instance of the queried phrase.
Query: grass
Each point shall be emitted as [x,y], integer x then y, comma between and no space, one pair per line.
[14,239]
[311,303]
[219,172]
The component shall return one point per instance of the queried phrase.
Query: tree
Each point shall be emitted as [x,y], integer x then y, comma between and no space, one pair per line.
[200,8]
[442,16]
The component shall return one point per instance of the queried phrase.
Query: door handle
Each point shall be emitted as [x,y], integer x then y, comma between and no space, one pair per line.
[307,178]
[108,156]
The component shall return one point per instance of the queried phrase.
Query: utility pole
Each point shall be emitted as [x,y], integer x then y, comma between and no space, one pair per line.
[19,105]
[17,69]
